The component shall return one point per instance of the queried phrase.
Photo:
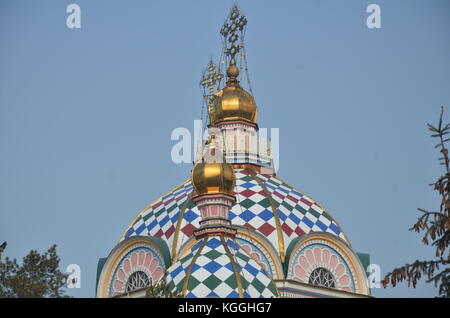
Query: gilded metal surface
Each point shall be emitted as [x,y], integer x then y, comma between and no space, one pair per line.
[275,213]
[209,178]
[232,103]
[235,269]
[209,82]
[189,272]
[177,230]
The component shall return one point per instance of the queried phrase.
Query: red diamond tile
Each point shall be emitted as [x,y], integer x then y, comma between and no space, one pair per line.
[292,198]
[266,229]
[278,194]
[306,201]
[249,226]
[247,193]
[159,233]
[156,205]
[168,202]
[287,229]
[188,230]
[181,197]
[299,231]
[170,231]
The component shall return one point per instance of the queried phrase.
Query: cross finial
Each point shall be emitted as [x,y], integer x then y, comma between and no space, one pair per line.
[209,81]
[231,32]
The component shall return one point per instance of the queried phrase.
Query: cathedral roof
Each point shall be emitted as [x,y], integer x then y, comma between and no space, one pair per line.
[217,267]
[254,229]
[265,204]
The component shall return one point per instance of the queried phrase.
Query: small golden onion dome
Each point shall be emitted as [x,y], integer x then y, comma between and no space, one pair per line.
[210,178]
[232,102]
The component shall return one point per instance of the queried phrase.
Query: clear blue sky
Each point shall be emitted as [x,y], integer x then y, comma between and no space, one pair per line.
[86,115]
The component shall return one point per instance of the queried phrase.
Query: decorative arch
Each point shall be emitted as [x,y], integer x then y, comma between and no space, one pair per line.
[261,250]
[134,263]
[318,253]
[255,245]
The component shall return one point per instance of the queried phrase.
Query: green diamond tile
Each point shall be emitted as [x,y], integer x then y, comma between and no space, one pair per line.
[265,203]
[258,285]
[246,179]
[173,207]
[193,282]
[300,209]
[157,214]
[247,203]
[231,281]
[287,206]
[212,282]
[213,254]
[242,256]
[315,213]
[147,216]
[186,258]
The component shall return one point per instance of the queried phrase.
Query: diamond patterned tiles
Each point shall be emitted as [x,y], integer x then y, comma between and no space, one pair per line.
[298,213]
[255,279]
[252,208]
[213,274]
[161,217]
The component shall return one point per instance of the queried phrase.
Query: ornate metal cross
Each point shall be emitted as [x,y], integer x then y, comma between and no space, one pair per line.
[231,31]
[210,80]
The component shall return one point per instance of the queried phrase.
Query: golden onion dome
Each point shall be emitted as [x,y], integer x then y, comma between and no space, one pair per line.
[210,178]
[232,102]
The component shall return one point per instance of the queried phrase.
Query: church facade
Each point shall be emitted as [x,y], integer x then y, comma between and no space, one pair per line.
[234,228]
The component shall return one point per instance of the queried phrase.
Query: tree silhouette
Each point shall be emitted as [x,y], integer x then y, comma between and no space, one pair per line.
[435,226]
[38,276]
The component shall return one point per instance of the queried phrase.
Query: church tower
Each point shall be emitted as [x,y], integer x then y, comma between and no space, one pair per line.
[234,228]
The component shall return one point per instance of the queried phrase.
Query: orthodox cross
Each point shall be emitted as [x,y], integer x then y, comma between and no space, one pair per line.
[209,82]
[231,31]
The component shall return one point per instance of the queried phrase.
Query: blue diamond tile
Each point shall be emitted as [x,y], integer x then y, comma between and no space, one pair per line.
[266,215]
[212,267]
[233,294]
[190,216]
[141,228]
[322,226]
[176,271]
[232,245]
[164,221]
[247,215]
[294,218]
[213,243]
[281,214]
[307,222]
[152,225]
[129,232]
[248,185]
[251,269]
[212,295]
[335,229]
